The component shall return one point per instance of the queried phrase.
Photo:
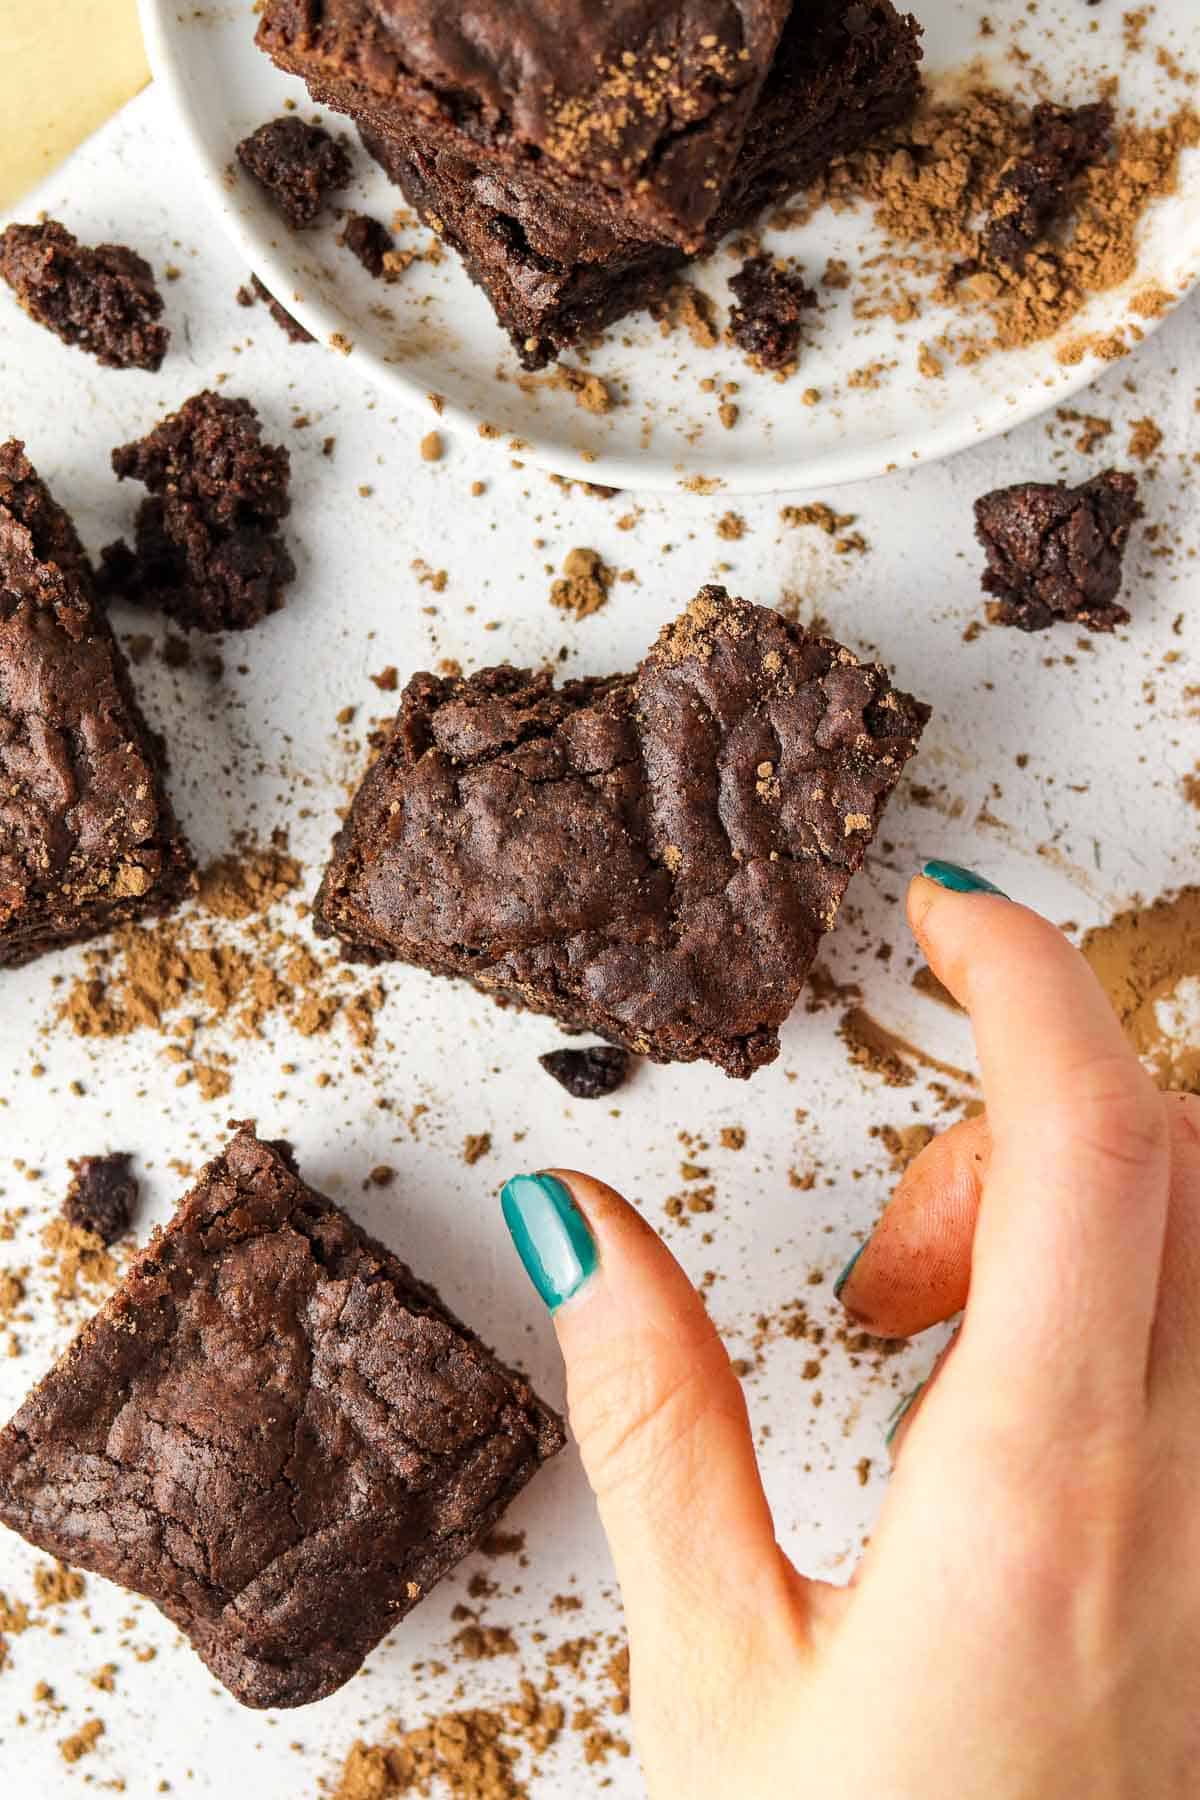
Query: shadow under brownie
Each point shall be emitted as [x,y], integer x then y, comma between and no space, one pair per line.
[274,1431]
[654,857]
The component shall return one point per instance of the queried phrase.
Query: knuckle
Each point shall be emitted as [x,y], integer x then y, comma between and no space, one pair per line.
[1113,1116]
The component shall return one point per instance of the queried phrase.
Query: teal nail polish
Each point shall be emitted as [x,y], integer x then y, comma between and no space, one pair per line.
[901,1411]
[551,1236]
[960,880]
[846,1273]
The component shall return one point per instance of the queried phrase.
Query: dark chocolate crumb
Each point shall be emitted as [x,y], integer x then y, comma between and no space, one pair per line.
[589,1074]
[1033,192]
[292,328]
[299,166]
[1055,552]
[367,239]
[102,1195]
[766,321]
[104,300]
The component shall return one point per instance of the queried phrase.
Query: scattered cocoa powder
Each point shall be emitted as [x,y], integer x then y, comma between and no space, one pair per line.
[584,585]
[1148,962]
[835,525]
[590,392]
[1145,438]
[476,1144]
[731,526]
[82,1742]
[686,308]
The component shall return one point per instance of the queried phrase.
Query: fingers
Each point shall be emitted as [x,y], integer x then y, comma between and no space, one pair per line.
[661,1423]
[1175,1352]
[914,1269]
[1068,1247]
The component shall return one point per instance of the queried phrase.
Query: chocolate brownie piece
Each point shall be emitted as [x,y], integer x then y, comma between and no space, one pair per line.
[87,835]
[274,1431]
[562,257]
[208,550]
[298,165]
[1031,194]
[1056,552]
[291,328]
[591,1073]
[653,857]
[104,300]
[771,303]
[368,240]
[102,1195]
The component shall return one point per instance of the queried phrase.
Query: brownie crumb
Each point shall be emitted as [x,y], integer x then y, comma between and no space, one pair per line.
[1055,552]
[104,300]
[298,165]
[102,1195]
[1033,191]
[368,240]
[766,321]
[589,1074]
[208,549]
[292,329]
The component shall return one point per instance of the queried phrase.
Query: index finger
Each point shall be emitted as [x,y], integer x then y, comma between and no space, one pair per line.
[1068,1247]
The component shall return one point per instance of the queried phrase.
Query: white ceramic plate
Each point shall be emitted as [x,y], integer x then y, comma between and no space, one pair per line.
[434,333]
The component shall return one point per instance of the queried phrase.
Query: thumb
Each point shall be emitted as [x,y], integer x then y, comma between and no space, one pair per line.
[661,1423]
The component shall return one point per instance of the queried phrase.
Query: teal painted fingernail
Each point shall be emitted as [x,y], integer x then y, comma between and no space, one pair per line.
[846,1273]
[551,1236]
[901,1411]
[960,880]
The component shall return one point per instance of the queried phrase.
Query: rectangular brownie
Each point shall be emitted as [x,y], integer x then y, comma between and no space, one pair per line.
[561,248]
[87,835]
[274,1431]
[654,856]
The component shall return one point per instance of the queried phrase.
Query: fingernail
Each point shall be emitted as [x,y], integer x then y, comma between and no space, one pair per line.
[960,880]
[846,1273]
[901,1411]
[551,1236]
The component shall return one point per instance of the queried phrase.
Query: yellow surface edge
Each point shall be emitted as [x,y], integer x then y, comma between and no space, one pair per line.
[68,65]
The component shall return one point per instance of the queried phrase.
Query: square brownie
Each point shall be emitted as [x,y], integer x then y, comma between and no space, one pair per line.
[87,835]
[274,1431]
[654,857]
[563,248]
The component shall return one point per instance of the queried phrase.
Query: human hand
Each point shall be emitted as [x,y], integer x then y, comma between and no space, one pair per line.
[1026,1619]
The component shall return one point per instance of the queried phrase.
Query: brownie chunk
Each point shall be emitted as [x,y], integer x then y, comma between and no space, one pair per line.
[771,303]
[563,236]
[368,240]
[104,300]
[588,1074]
[299,165]
[87,835]
[1056,552]
[102,1195]
[207,549]
[274,1431]
[1033,192]
[291,328]
[653,857]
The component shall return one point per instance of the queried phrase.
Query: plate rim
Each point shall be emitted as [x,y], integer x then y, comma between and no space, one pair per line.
[628,473]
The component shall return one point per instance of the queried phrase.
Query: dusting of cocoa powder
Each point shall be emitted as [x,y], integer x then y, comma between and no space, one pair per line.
[584,585]
[1148,962]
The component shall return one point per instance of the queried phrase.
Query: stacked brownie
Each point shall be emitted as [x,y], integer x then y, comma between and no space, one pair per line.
[576,156]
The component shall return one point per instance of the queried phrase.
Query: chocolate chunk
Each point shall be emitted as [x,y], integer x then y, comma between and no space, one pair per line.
[1033,192]
[652,857]
[1056,552]
[367,239]
[208,550]
[103,300]
[102,1195]
[771,303]
[274,1431]
[299,165]
[88,839]
[591,1073]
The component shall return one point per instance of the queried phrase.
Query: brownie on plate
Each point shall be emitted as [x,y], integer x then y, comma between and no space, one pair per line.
[577,157]
[87,835]
[274,1431]
[653,857]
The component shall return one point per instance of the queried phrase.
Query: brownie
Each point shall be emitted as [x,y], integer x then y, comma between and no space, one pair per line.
[591,1073]
[274,1431]
[87,835]
[1056,552]
[652,857]
[207,547]
[368,240]
[771,302]
[103,299]
[102,1195]
[297,165]
[562,251]
[1034,191]
[291,328]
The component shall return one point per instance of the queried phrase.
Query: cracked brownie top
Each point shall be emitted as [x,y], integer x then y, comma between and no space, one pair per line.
[655,856]
[274,1431]
[647,102]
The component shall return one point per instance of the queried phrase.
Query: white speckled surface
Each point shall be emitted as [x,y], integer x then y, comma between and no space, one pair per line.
[1094,818]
